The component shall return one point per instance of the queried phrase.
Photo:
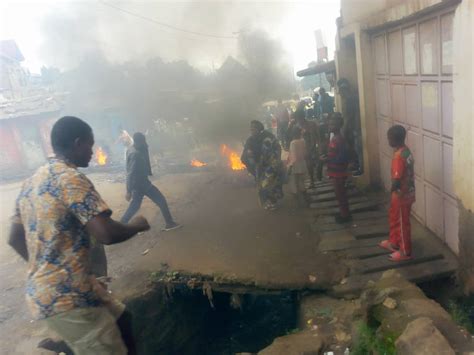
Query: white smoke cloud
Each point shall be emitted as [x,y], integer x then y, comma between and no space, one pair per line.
[60,32]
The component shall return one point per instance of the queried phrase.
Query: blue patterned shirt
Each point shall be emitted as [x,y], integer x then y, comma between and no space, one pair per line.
[54,206]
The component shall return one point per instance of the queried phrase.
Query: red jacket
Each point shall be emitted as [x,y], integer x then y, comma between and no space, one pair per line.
[338,157]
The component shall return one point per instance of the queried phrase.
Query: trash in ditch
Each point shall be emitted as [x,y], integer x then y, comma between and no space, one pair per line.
[236,301]
[342,336]
[298,235]
[145,252]
[312,278]
[344,281]
[207,291]
[390,303]
[191,283]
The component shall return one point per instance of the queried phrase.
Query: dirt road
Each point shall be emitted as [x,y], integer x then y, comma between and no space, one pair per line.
[225,233]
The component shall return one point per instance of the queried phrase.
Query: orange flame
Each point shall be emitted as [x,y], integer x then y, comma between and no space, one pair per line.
[198,164]
[233,158]
[100,156]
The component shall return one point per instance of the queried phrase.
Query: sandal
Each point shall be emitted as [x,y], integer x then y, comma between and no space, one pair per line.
[388,246]
[399,256]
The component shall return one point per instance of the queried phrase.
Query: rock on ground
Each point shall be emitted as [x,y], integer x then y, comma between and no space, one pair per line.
[302,343]
[421,337]
[411,304]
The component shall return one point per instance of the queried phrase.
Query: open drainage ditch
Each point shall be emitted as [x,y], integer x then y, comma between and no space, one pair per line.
[187,322]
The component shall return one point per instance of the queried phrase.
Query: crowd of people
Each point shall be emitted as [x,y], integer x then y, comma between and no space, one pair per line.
[303,131]
[316,136]
[61,222]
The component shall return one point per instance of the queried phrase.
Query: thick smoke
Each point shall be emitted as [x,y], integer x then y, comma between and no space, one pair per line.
[74,29]
[113,62]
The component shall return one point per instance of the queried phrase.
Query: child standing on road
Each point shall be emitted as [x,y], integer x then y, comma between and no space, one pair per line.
[402,196]
[337,161]
[297,169]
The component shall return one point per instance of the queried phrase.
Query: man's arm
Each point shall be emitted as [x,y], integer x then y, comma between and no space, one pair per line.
[85,203]
[17,240]
[107,231]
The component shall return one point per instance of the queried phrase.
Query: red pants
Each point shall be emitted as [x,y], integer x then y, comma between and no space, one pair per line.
[400,227]
[339,184]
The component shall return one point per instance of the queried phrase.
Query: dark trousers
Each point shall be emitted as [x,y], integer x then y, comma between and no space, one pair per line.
[125,325]
[311,165]
[153,194]
[339,184]
[282,129]
[319,170]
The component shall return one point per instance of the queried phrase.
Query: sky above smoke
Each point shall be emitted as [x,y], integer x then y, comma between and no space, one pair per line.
[60,33]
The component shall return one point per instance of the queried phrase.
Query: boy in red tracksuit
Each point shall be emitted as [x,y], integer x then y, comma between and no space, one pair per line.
[337,161]
[402,196]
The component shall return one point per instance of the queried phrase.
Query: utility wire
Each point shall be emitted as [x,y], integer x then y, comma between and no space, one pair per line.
[164,24]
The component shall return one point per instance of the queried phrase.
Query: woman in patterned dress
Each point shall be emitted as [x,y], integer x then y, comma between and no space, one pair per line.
[262,157]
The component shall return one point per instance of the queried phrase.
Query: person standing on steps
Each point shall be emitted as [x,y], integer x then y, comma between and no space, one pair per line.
[139,186]
[297,168]
[352,127]
[309,132]
[337,161]
[56,214]
[402,196]
[326,102]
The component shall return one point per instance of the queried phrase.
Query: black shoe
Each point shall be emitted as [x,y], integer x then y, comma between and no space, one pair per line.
[342,220]
[56,346]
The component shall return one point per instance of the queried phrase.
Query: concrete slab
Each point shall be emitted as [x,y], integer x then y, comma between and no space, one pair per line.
[327,188]
[362,223]
[351,247]
[431,259]
[334,203]
[416,273]
[356,217]
[329,196]
[371,231]
[357,207]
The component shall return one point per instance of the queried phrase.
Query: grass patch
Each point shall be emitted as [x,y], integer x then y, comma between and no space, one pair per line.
[461,311]
[369,343]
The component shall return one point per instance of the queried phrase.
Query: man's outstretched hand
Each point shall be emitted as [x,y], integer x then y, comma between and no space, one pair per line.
[140,223]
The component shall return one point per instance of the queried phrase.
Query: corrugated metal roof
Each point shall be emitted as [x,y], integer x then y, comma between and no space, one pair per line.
[319,68]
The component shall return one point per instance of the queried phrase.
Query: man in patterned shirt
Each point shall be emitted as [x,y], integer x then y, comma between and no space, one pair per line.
[56,213]
[402,198]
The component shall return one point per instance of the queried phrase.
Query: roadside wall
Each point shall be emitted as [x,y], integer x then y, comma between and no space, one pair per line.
[354,61]
[356,24]
[463,92]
